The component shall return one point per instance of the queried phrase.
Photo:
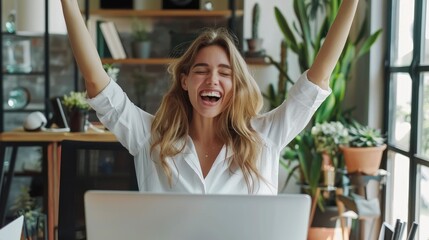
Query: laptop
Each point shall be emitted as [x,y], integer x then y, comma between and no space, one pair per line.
[112,215]
[13,230]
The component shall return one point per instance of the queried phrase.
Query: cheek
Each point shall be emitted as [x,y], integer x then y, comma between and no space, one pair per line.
[227,87]
[228,93]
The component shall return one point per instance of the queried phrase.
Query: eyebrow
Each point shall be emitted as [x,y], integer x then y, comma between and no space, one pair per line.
[206,65]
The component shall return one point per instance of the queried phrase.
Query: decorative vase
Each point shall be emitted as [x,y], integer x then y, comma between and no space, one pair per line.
[363,159]
[78,120]
[141,49]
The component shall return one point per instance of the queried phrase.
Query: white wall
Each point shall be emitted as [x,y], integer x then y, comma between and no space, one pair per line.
[365,88]
[376,66]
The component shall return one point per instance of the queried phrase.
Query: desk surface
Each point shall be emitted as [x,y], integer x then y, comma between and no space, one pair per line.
[19,135]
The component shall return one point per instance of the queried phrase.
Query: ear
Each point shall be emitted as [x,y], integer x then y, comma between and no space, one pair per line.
[183,80]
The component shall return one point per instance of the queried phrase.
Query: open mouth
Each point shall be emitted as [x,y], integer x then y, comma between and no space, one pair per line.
[210,96]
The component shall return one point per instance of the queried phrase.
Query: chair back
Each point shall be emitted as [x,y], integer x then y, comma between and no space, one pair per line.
[89,166]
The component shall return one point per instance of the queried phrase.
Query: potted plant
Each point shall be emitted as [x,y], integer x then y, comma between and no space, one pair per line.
[140,40]
[304,158]
[27,206]
[364,151]
[328,136]
[304,37]
[254,44]
[112,71]
[77,108]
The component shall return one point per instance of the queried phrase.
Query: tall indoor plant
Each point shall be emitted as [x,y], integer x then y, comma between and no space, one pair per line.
[313,19]
[304,37]
[305,40]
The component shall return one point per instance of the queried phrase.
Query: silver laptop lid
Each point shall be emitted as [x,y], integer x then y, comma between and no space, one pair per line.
[132,215]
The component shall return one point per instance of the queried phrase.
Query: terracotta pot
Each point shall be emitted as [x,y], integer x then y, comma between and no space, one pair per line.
[363,159]
[322,233]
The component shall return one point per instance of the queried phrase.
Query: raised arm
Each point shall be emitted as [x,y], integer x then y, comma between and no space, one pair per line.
[84,50]
[329,53]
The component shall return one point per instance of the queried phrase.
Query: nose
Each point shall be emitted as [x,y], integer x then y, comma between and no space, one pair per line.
[212,79]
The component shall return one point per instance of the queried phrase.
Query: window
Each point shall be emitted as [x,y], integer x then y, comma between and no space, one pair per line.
[407,114]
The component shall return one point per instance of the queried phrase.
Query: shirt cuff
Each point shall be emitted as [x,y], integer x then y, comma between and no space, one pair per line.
[102,103]
[307,92]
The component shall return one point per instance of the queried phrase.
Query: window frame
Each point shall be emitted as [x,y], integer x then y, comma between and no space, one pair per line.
[415,70]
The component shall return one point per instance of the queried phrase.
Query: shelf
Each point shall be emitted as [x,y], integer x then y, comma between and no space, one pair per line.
[22,36]
[147,61]
[164,13]
[25,174]
[256,61]
[22,73]
[165,61]
[27,109]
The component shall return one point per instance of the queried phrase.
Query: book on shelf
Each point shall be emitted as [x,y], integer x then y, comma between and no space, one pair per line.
[113,40]
[99,40]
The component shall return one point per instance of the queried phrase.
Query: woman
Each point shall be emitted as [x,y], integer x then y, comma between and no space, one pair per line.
[207,136]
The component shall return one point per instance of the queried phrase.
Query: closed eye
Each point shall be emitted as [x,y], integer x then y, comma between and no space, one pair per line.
[200,70]
[225,74]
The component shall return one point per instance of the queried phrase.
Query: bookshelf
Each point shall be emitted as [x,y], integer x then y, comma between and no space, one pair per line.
[164,13]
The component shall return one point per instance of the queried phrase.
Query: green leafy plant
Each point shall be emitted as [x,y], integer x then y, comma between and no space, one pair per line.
[139,31]
[76,101]
[306,38]
[301,155]
[112,71]
[364,136]
[328,136]
[25,205]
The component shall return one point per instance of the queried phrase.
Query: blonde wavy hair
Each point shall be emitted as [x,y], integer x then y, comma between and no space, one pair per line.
[172,120]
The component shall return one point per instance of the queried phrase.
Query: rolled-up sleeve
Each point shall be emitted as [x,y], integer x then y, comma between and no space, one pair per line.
[282,124]
[130,124]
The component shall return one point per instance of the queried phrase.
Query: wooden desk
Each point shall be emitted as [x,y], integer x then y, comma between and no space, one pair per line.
[51,141]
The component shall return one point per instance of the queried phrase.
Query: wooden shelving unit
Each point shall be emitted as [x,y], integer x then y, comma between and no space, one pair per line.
[163,13]
[164,61]
[146,61]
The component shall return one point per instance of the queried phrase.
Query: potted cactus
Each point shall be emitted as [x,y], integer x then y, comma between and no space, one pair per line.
[254,43]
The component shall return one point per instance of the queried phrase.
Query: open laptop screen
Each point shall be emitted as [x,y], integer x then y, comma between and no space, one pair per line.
[133,215]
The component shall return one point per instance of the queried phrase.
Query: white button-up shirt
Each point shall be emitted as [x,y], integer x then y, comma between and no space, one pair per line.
[131,125]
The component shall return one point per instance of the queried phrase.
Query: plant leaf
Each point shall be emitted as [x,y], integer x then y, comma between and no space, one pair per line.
[325,111]
[368,43]
[287,32]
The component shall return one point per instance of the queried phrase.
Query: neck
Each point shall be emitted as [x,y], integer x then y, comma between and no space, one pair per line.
[204,131]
